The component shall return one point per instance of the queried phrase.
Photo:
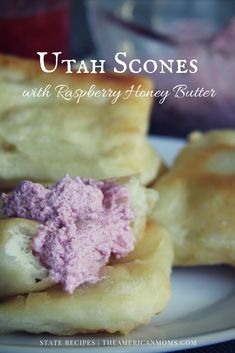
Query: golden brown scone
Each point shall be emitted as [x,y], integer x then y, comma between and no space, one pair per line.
[42,139]
[21,272]
[197,200]
[133,291]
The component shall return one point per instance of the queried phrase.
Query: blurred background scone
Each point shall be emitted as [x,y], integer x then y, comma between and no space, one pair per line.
[197,201]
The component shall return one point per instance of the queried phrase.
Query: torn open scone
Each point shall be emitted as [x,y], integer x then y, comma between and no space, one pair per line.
[85,248]
[131,293]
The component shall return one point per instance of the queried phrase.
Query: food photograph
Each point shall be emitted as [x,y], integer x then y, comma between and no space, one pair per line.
[117,174]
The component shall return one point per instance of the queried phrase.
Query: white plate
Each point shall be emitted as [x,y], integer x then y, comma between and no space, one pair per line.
[201,310]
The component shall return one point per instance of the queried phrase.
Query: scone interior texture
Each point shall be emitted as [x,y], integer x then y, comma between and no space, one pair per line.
[44,138]
[197,200]
[21,272]
[133,291]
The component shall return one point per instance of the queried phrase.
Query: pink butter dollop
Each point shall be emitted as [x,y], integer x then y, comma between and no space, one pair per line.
[83,223]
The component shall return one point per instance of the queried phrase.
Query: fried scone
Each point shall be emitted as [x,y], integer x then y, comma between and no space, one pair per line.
[197,202]
[131,293]
[42,138]
[21,271]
